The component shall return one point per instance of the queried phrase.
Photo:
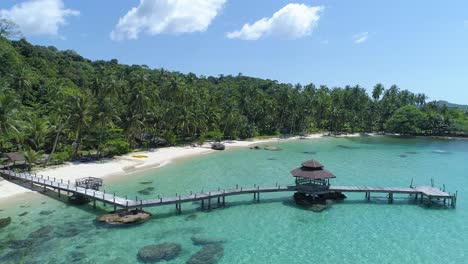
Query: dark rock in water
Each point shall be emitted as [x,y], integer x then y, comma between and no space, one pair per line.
[403,156]
[272,148]
[202,241]
[23,214]
[218,146]
[19,244]
[146,191]
[256,147]
[271,159]
[69,232]
[209,254]
[190,217]
[337,196]
[124,217]
[77,256]
[146,182]
[156,253]
[16,256]
[43,232]
[345,147]
[4,222]
[46,212]
[43,203]
[317,207]
[310,152]
[24,206]
[411,152]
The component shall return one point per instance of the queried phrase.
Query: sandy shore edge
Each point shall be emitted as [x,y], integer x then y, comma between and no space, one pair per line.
[122,165]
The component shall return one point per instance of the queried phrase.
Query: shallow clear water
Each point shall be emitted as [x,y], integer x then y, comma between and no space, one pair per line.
[275,230]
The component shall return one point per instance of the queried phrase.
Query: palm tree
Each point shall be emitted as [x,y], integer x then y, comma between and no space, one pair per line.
[8,114]
[80,109]
[31,157]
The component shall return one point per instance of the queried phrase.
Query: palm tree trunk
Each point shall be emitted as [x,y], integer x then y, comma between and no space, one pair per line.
[55,144]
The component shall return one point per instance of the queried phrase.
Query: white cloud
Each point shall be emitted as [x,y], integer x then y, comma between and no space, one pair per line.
[39,17]
[360,37]
[167,16]
[292,21]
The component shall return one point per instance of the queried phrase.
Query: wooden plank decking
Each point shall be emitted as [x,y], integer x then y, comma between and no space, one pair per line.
[60,186]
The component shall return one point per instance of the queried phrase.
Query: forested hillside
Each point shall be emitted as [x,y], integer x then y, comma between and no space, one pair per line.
[58,101]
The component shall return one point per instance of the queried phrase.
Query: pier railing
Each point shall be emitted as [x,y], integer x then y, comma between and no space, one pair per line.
[429,193]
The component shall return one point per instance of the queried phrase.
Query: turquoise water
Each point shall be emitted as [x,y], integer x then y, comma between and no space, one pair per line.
[275,230]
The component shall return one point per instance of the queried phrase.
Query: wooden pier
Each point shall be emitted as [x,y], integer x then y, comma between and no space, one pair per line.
[421,193]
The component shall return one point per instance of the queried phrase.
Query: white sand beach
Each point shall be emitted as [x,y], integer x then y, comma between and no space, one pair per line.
[129,163]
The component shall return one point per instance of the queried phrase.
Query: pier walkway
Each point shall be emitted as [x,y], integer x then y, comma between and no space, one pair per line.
[420,192]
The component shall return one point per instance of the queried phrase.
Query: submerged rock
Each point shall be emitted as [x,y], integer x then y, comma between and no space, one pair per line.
[190,217]
[317,207]
[411,152]
[403,156]
[4,222]
[146,182]
[346,147]
[22,243]
[255,147]
[310,152]
[124,217]
[42,233]
[202,241]
[23,214]
[209,254]
[77,256]
[146,191]
[156,253]
[46,212]
[272,148]
[69,232]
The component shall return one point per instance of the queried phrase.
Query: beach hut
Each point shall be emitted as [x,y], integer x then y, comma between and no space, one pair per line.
[13,159]
[312,178]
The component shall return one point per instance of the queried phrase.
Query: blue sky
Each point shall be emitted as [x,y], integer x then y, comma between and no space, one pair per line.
[418,45]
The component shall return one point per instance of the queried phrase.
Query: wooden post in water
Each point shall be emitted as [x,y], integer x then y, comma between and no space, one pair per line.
[94,200]
[115,206]
[209,201]
[202,204]
[390,197]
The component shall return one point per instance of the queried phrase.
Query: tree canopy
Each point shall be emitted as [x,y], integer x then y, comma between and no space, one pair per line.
[57,102]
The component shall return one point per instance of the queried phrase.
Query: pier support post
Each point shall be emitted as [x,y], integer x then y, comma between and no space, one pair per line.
[390,198]
[202,204]
[58,192]
[255,196]
[224,204]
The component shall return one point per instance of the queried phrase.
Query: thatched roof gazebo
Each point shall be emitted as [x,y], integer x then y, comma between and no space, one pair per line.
[312,177]
[13,158]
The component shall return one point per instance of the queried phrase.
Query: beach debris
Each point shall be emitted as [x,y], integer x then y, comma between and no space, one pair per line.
[209,254]
[272,148]
[160,252]
[146,191]
[124,217]
[203,241]
[191,217]
[139,156]
[45,212]
[23,214]
[146,182]
[4,222]
[218,146]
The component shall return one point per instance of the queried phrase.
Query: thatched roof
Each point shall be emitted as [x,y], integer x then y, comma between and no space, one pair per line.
[312,169]
[14,157]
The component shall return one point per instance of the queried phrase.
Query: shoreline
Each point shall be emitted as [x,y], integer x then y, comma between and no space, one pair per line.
[121,166]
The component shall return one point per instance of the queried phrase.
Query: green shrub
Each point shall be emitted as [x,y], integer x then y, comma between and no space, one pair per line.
[215,135]
[60,157]
[117,147]
[170,137]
